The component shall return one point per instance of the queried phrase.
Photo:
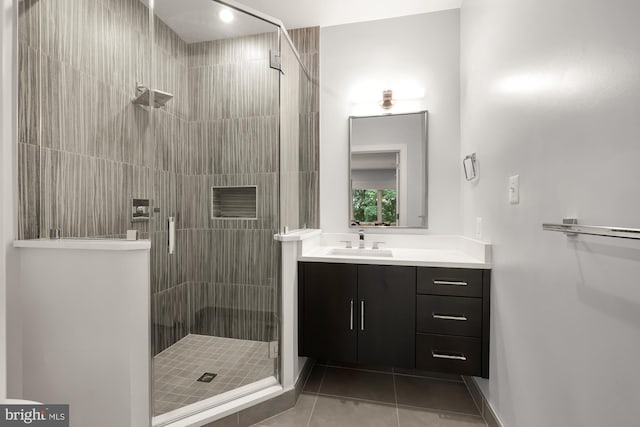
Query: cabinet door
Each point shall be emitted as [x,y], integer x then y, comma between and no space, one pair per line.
[386,315]
[328,312]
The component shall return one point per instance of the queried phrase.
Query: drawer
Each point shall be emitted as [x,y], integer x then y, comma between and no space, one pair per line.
[449,315]
[442,353]
[450,281]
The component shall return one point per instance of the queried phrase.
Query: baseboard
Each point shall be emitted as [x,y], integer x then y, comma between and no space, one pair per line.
[487,412]
[304,375]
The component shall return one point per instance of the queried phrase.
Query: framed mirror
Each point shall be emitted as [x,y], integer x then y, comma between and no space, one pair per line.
[388,170]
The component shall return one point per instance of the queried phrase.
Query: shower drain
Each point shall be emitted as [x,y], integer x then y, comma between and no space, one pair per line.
[207,377]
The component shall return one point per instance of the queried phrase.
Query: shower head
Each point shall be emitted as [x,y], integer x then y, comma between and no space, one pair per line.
[143,97]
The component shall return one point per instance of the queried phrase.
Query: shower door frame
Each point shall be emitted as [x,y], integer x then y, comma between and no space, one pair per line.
[285,377]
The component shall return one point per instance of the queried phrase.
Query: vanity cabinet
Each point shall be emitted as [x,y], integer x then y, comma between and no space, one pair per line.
[429,318]
[358,313]
[452,327]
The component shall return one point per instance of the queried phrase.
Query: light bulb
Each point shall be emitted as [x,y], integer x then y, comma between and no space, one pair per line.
[225,15]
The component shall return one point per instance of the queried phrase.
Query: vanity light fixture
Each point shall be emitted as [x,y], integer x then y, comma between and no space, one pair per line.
[225,16]
[387,99]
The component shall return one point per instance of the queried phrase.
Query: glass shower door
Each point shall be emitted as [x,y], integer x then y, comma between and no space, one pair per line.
[215,264]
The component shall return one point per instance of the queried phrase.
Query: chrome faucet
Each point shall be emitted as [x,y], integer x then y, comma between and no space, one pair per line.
[376,245]
[361,239]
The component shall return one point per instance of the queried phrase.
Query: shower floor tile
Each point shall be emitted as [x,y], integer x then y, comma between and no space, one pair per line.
[235,362]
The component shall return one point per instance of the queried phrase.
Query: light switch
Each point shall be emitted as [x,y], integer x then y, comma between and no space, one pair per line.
[514,189]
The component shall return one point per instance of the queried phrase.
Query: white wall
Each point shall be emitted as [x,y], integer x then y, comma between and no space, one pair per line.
[551,91]
[86,328]
[422,50]
[7,173]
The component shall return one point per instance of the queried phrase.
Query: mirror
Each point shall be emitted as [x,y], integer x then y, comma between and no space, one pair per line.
[388,170]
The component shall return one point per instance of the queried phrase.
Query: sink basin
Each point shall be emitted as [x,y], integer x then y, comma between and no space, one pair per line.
[380,253]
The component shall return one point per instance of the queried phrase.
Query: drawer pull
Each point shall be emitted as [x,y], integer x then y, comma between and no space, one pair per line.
[362,315]
[448,356]
[449,283]
[446,317]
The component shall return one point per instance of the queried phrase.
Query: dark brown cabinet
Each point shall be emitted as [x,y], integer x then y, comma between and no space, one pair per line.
[452,328]
[445,353]
[358,313]
[327,316]
[386,296]
[428,318]
[460,316]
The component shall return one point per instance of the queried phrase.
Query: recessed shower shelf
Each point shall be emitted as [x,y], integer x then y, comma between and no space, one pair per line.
[234,202]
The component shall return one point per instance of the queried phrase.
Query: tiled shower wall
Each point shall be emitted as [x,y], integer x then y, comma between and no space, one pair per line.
[307,42]
[79,134]
[227,268]
[85,151]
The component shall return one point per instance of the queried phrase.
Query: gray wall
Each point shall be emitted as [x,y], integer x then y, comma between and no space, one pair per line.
[85,150]
[550,91]
[78,133]
[307,42]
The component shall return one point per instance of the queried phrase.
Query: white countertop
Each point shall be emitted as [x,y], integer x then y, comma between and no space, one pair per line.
[85,244]
[401,256]
[298,235]
[408,250]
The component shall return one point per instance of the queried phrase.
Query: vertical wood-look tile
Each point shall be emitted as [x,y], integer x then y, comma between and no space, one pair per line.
[309,200]
[169,316]
[306,40]
[29,118]
[28,191]
[309,142]
[29,16]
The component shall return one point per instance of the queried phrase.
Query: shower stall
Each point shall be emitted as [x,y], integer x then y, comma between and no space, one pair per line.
[194,123]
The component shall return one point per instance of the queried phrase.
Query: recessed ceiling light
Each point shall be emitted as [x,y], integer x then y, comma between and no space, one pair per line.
[226,15]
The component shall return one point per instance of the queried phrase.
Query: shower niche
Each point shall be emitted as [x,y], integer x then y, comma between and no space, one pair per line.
[234,202]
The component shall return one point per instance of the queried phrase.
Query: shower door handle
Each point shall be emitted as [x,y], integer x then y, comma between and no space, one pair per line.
[172,235]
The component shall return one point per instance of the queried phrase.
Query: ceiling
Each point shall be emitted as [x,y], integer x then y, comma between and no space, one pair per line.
[197,20]
[324,13]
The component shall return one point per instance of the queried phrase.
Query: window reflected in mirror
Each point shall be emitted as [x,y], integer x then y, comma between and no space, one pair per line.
[374,207]
[374,185]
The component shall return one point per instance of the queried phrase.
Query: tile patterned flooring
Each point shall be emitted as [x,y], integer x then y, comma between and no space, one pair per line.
[177,369]
[354,396]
